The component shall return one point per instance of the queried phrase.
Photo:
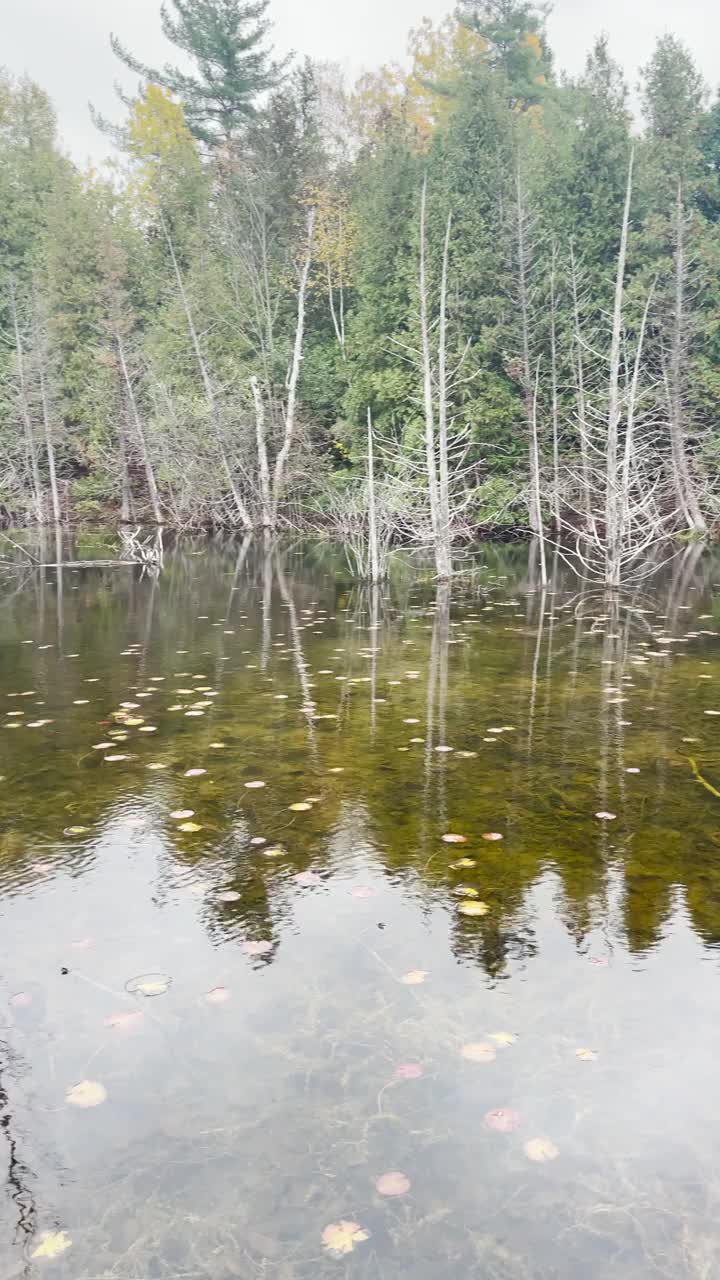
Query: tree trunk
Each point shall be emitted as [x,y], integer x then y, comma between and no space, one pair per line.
[125,494]
[524,302]
[614,513]
[443,555]
[580,392]
[684,486]
[554,391]
[536,497]
[292,383]
[207,384]
[49,447]
[144,451]
[373,549]
[25,412]
[263,466]
[430,448]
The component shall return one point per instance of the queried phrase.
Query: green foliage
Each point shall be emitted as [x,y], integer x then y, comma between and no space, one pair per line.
[225,41]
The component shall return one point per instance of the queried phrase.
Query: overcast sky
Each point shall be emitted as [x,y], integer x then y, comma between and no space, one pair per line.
[63,44]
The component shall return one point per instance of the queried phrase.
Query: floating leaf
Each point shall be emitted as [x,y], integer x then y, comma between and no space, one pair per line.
[466,755]
[503,1038]
[478,1052]
[586,1055]
[462,864]
[88,1093]
[254,786]
[414,977]
[190,826]
[182,813]
[115,759]
[149,984]
[541,1150]
[341,1237]
[301,806]
[362,891]
[75,831]
[600,962]
[229,895]
[491,835]
[451,838]
[473,908]
[392,1184]
[465,891]
[21,1000]
[51,1244]
[408,1071]
[307,877]
[606,817]
[502,1120]
[156,765]
[218,995]
[194,773]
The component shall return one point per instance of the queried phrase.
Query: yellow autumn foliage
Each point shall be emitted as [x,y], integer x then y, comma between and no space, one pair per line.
[422,98]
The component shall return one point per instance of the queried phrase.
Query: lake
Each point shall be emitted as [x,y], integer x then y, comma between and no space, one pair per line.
[359,933]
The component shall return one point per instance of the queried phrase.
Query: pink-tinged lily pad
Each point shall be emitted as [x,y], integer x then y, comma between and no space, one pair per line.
[600,962]
[194,773]
[228,895]
[21,1000]
[181,814]
[125,1020]
[408,1071]
[362,891]
[451,838]
[502,1120]
[257,948]
[392,1184]
[218,995]
[491,835]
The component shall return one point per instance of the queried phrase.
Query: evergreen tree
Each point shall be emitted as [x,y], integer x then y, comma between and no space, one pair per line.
[225,39]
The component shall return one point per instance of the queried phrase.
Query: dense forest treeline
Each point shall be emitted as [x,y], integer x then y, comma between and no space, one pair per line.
[481,258]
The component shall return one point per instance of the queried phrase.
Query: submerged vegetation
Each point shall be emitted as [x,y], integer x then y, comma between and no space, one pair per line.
[476,265]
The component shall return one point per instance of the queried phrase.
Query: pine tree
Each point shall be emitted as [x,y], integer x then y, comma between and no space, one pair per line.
[225,41]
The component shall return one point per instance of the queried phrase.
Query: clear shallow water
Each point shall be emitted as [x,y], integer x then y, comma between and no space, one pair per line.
[580,1139]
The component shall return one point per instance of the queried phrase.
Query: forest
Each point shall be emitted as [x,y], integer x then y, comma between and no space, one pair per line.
[462,297]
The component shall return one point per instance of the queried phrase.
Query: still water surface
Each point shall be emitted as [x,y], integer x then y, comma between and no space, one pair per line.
[238,982]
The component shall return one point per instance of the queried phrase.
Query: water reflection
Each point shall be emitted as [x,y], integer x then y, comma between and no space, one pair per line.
[284,753]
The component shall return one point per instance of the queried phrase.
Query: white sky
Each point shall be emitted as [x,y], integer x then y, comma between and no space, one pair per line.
[63,44]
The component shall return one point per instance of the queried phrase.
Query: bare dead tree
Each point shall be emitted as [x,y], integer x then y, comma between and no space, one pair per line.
[25,409]
[523,267]
[374,547]
[140,432]
[210,397]
[281,460]
[687,497]
[579,367]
